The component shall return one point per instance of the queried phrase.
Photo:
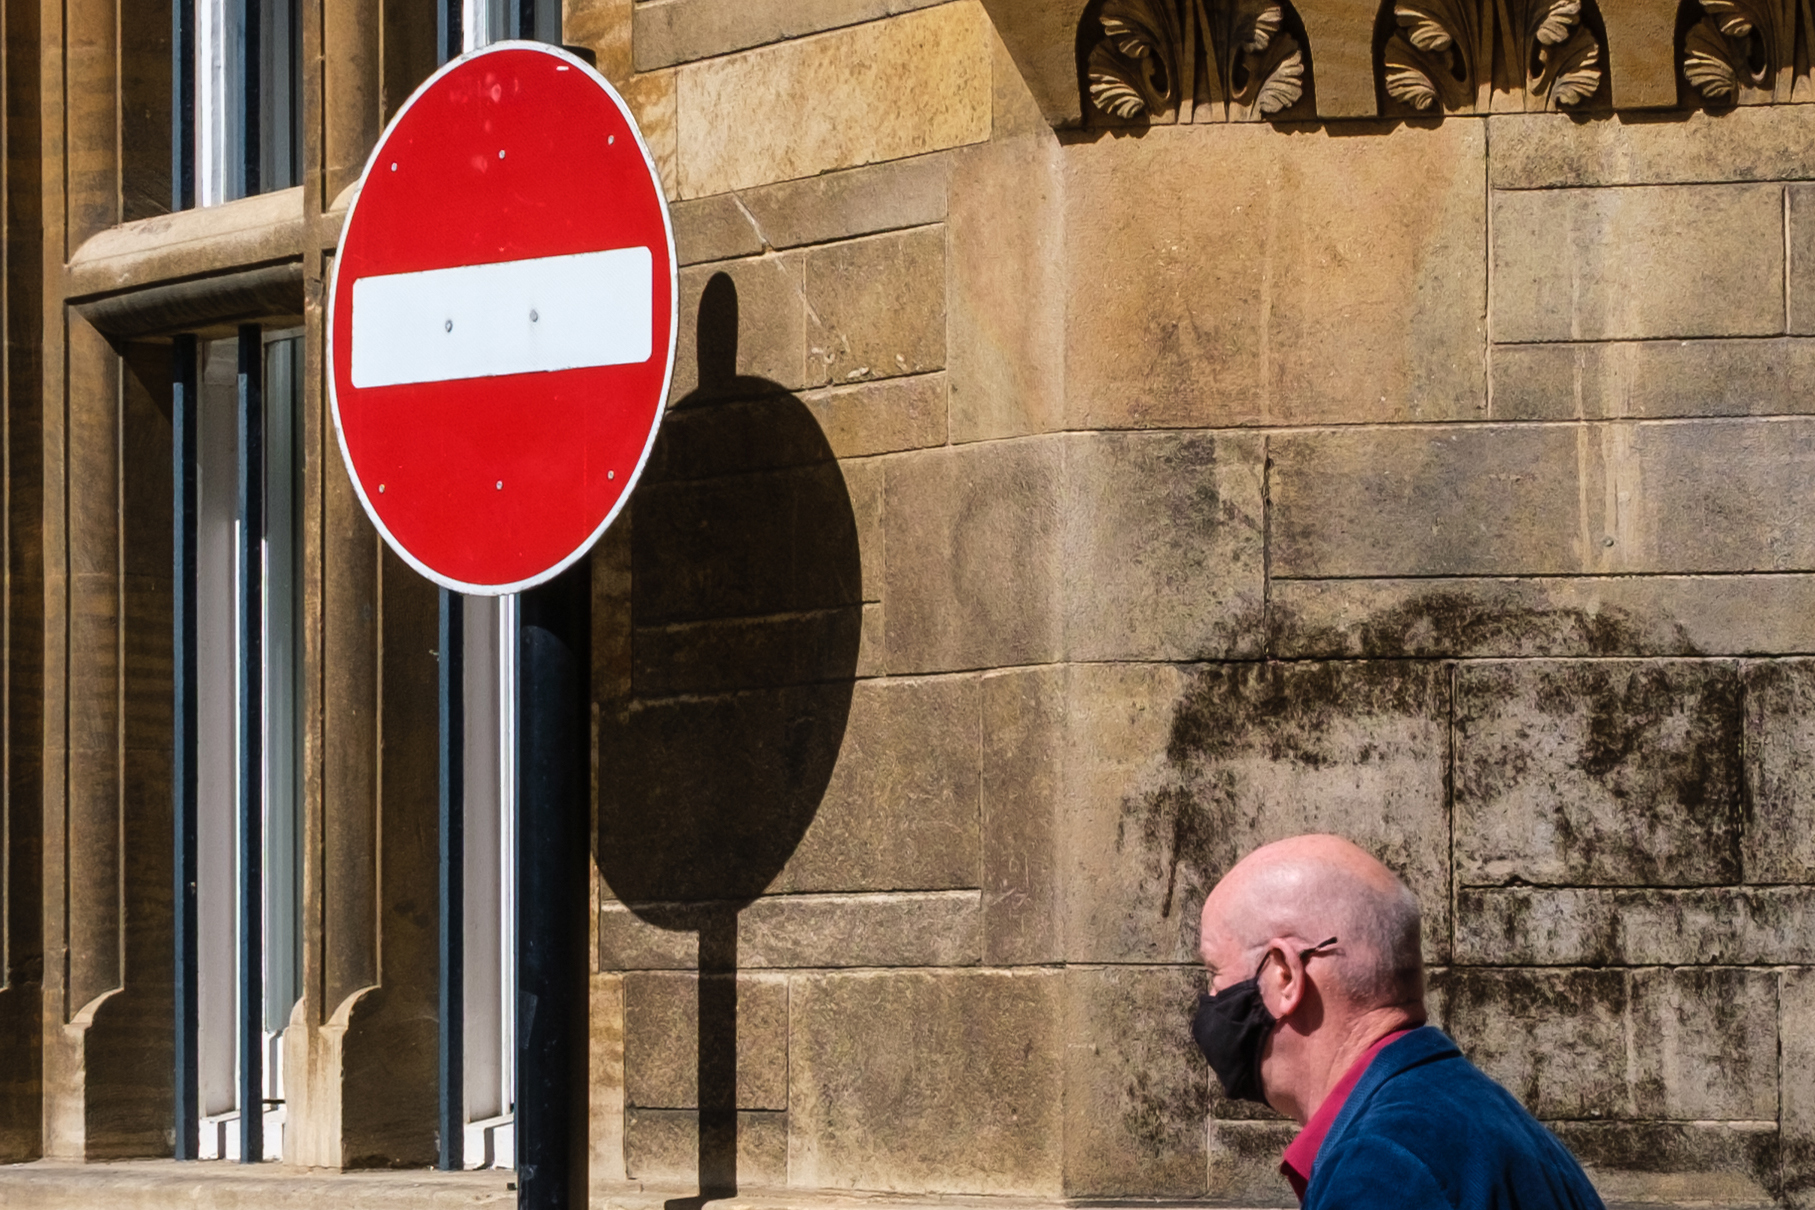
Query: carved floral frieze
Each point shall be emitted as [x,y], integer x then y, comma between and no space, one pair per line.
[1473,56]
[1746,51]
[1193,61]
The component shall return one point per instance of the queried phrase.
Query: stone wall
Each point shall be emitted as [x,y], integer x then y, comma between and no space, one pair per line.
[1044,520]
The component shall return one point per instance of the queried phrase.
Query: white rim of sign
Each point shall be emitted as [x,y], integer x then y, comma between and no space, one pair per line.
[674,315]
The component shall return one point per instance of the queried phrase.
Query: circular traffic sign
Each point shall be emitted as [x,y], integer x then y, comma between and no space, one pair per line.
[501,319]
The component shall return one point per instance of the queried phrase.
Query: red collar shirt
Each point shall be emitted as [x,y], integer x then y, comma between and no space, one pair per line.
[1295,1165]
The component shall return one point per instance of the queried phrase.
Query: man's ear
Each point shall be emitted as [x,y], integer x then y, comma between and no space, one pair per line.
[1282,979]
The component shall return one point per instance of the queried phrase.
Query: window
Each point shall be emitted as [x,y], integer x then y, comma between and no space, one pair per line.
[248,98]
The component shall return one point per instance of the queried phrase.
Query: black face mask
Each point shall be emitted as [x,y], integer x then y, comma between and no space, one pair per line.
[1232,1028]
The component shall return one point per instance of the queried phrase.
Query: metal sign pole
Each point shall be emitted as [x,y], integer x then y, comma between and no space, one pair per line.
[554,838]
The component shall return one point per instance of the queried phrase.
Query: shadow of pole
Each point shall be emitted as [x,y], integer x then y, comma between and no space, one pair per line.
[747,608]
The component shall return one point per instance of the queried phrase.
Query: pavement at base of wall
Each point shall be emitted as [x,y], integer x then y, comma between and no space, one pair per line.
[158,1184]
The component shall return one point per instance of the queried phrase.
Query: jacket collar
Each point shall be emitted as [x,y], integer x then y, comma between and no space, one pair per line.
[1423,1045]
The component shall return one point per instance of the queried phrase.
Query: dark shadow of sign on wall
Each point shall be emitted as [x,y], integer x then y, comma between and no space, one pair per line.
[747,608]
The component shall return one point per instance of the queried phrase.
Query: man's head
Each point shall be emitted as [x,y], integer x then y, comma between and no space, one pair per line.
[1268,919]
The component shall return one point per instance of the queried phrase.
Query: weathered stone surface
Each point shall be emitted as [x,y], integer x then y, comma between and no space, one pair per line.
[1584,926]
[1555,1039]
[605,1082]
[1172,778]
[1385,502]
[864,481]
[1041,39]
[1719,497]
[928,928]
[858,201]
[661,1041]
[746,653]
[662,1146]
[1342,31]
[882,91]
[1244,1163]
[1779,839]
[1638,262]
[1652,378]
[973,568]
[1004,295]
[1641,40]
[1598,773]
[1239,292]
[1023,735]
[1801,234]
[667,32]
[876,307]
[713,228]
[923,1082]
[769,339]
[1573,616]
[882,417]
[1136,1089]
[1163,546]
[900,812]
[1749,143]
[1677,1163]
[651,98]
[1704,1044]
[1796,1067]
[903,928]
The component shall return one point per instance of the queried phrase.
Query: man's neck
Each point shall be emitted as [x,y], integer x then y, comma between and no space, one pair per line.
[1325,1065]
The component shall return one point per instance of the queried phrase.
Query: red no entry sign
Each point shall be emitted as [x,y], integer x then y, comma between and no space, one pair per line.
[501,319]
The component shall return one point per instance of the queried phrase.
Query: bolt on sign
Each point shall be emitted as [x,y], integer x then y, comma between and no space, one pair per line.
[501,319]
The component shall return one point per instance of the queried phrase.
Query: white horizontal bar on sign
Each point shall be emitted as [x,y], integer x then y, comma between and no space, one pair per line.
[512,317]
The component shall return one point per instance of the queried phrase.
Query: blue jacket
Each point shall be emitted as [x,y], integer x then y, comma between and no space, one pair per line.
[1425,1128]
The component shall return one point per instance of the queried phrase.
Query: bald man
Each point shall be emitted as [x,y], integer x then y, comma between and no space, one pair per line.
[1316,1007]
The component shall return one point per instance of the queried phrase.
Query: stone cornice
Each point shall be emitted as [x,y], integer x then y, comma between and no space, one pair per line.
[1109,63]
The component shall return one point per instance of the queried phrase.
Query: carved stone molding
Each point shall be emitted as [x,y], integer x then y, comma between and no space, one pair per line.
[1161,61]
[1479,56]
[1746,51]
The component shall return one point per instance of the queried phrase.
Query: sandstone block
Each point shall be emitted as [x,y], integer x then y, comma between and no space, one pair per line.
[627,942]
[1136,1089]
[1004,296]
[1705,1044]
[1595,773]
[662,1042]
[888,196]
[1638,262]
[713,228]
[1172,779]
[881,91]
[1796,1067]
[746,653]
[1749,143]
[1779,839]
[900,811]
[605,1082]
[1678,1163]
[1238,294]
[1652,378]
[1801,203]
[927,928]
[662,1146]
[1163,546]
[1244,1163]
[1641,38]
[1572,616]
[667,32]
[763,335]
[651,98]
[1554,926]
[1556,1039]
[973,568]
[864,481]
[877,306]
[926,1083]
[882,417]
[1023,733]
[1476,501]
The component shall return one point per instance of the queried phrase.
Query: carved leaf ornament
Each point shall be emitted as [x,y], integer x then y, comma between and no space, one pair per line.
[1194,61]
[1461,56]
[1745,51]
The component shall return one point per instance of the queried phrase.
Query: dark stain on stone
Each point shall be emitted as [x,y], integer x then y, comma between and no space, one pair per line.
[1446,623]
[1195,822]
[1158,1114]
[1667,1148]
